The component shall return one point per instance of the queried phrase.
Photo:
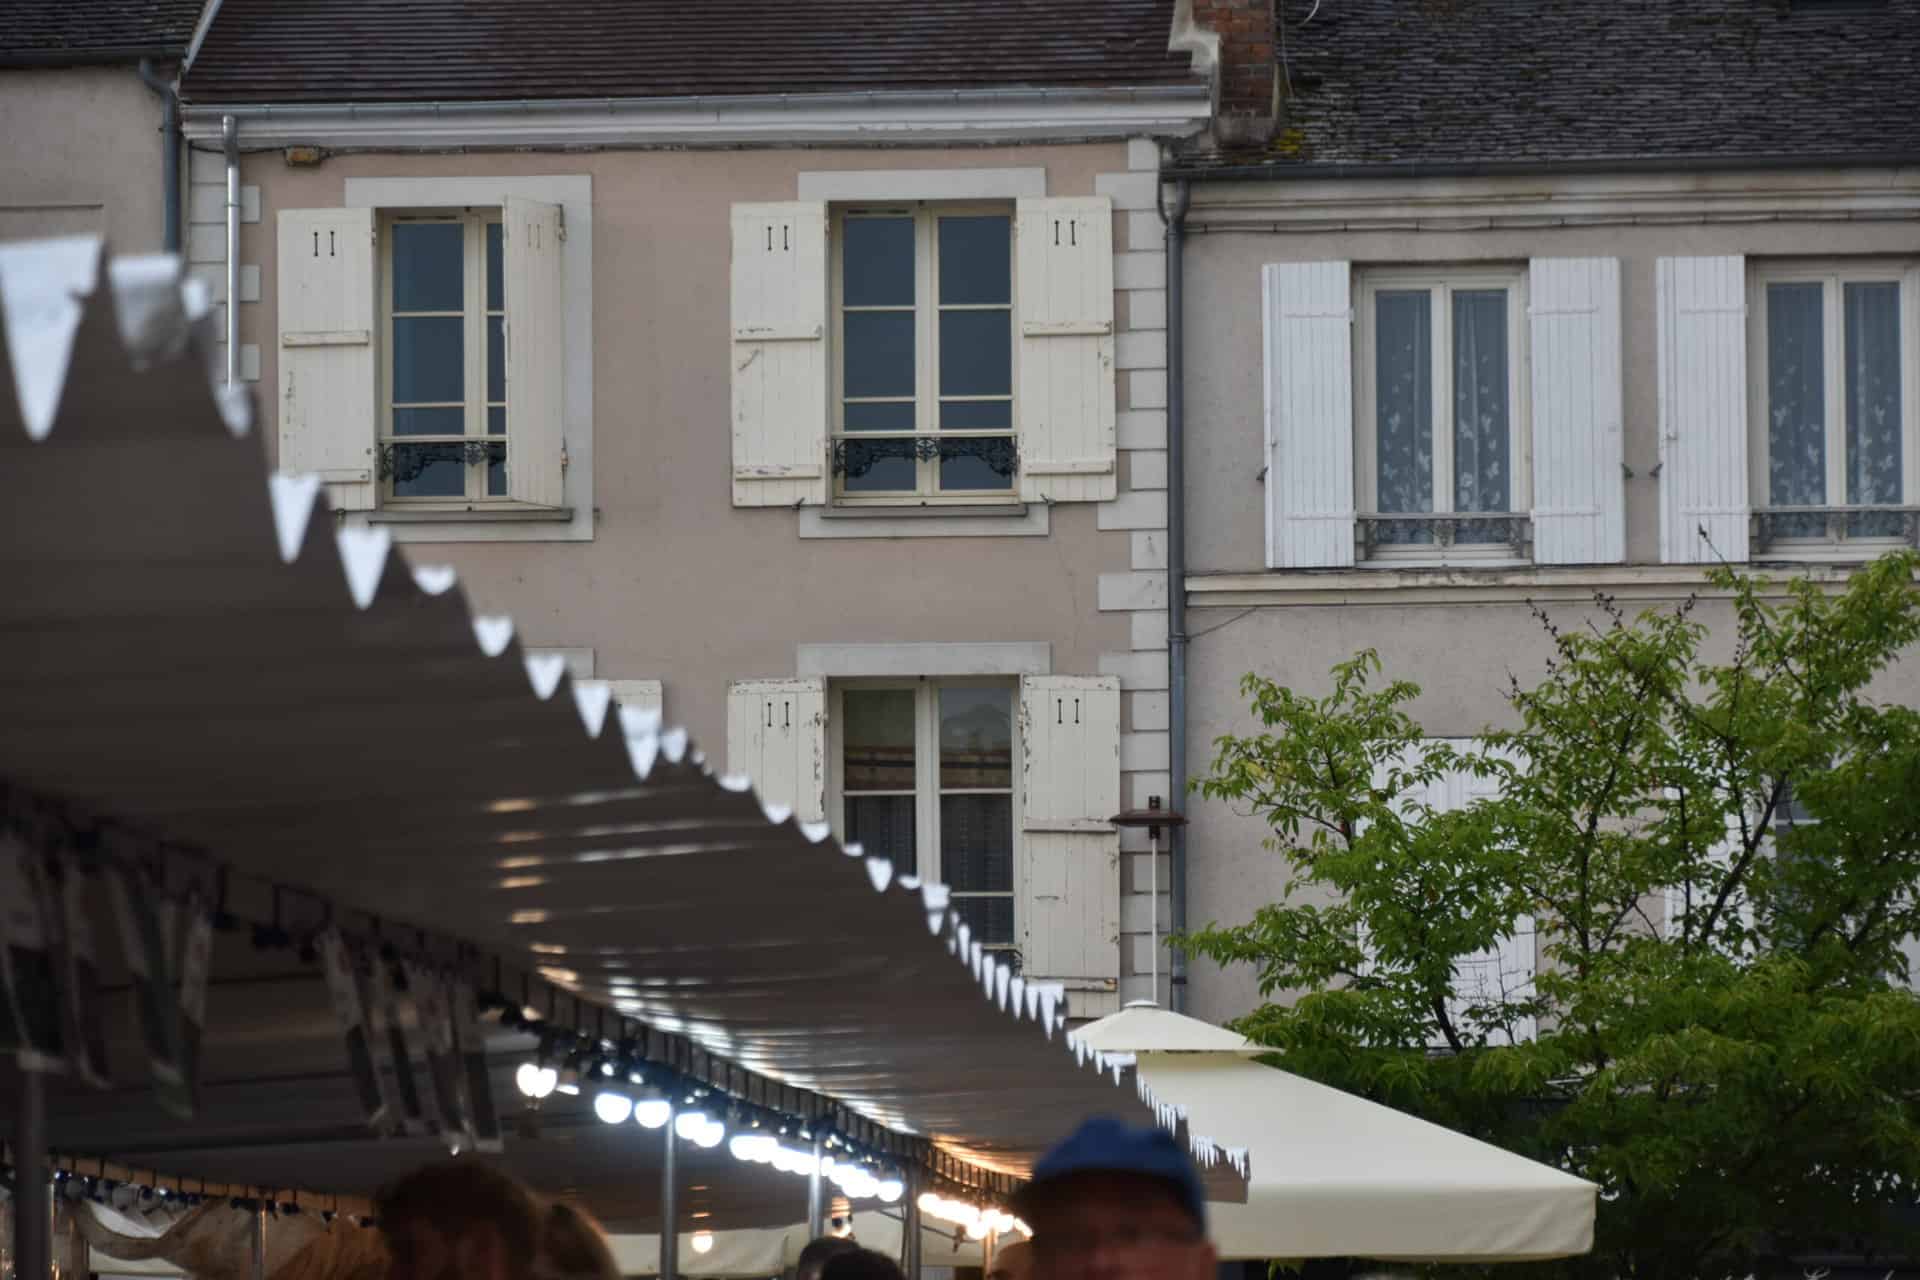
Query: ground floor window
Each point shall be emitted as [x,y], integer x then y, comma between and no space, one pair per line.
[924,776]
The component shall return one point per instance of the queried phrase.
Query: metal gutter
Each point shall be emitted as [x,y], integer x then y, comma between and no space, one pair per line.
[1176,220]
[230,137]
[1531,168]
[169,153]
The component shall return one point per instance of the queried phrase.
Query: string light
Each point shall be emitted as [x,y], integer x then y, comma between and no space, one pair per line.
[612,1106]
[536,1081]
[702,1242]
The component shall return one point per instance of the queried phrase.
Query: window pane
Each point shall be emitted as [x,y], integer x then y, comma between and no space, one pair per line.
[1482,449]
[976,843]
[496,358]
[976,260]
[883,825]
[496,471]
[879,466]
[985,463]
[427,271]
[428,359]
[976,415]
[976,353]
[1872,330]
[429,471]
[496,422]
[878,739]
[1403,407]
[991,919]
[894,416]
[1796,406]
[496,269]
[879,354]
[877,262]
[429,422]
[976,738]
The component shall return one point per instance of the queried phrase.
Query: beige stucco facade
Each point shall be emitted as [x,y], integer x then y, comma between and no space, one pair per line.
[1459,633]
[83,155]
[667,579]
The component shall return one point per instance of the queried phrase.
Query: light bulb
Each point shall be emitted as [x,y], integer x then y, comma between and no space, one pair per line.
[702,1242]
[977,1230]
[652,1113]
[689,1124]
[710,1134]
[929,1204]
[535,1080]
[890,1190]
[741,1146]
[612,1106]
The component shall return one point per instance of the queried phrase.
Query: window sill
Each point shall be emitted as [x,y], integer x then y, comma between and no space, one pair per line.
[927,520]
[471,514]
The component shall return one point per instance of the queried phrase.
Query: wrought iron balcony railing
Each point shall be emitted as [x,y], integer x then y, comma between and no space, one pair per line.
[855,455]
[1378,529]
[1846,523]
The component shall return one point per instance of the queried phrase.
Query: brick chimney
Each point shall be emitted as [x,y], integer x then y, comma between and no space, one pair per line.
[1246,79]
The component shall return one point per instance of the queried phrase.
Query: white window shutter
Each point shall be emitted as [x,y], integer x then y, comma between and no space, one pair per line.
[777,735]
[1703,409]
[780,354]
[1579,477]
[1066,398]
[1308,311]
[1069,903]
[326,351]
[531,241]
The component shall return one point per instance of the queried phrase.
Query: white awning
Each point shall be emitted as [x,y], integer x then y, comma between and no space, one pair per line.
[191,649]
[1339,1176]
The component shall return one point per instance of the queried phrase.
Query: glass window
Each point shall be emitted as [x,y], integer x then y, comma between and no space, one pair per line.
[925,369]
[445,419]
[1832,422]
[1444,434]
[926,779]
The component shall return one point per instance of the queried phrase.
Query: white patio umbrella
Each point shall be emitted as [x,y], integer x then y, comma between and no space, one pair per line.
[1337,1176]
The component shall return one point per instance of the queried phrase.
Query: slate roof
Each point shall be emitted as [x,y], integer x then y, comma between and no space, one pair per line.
[68,32]
[1542,81]
[491,50]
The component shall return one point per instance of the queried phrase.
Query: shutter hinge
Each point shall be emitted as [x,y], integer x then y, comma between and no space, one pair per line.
[563,459]
[562,221]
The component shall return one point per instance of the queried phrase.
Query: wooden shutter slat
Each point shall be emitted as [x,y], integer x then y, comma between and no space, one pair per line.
[1703,409]
[326,362]
[1068,913]
[1308,314]
[1067,395]
[779,330]
[1579,485]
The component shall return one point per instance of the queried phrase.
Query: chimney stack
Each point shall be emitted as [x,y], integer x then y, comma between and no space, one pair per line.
[1246,78]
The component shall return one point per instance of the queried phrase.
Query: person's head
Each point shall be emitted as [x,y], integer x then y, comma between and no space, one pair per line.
[1113,1202]
[817,1254]
[459,1220]
[573,1247]
[861,1264]
[1012,1261]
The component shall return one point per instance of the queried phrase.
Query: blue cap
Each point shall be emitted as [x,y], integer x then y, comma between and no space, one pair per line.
[1106,1144]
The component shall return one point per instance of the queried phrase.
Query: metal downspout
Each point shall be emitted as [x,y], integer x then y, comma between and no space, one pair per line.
[230,137]
[1177,580]
[169,154]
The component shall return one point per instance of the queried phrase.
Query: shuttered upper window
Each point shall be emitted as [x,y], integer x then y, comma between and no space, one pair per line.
[1442,454]
[923,393]
[922,353]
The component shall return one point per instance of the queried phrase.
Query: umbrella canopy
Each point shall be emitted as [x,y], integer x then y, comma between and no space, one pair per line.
[1338,1176]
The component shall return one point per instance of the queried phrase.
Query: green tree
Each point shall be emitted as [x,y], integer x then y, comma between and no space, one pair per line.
[1727,1041]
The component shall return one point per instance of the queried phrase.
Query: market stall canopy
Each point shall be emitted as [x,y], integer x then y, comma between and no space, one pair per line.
[1339,1176]
[193,653]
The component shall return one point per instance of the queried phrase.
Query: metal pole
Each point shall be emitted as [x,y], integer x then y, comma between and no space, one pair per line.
[1153,904]
[987,1244]
[230,138]
[257,1251]
[1177,580]
[816,1192]
[910,1224]
[669,1204]
[32,1198]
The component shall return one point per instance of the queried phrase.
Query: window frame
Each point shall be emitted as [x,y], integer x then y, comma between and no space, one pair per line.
[1441,282]
[1832,274]
[926,395]
[474,221]
[928,855]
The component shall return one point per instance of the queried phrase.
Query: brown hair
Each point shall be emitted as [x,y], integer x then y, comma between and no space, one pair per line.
[458,1196]
[573,1245]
